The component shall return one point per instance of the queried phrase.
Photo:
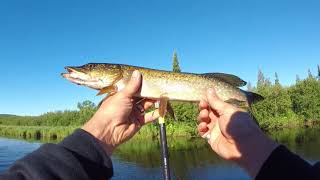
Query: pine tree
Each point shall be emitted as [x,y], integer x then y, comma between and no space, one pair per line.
[310,74]
[276,82]
[297,78]
[318,72]
[249,86]
[261,79]
[175,63]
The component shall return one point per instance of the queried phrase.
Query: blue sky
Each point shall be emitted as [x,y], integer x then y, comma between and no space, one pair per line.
[39,38]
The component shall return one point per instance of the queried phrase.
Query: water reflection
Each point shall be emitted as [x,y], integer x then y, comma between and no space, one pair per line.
[11,149]
[186,156]
[303,141]
[189,158]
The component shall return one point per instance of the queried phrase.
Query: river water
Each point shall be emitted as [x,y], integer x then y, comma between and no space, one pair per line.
[189,159]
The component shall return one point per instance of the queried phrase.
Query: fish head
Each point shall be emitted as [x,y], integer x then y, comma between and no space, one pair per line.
[94,75]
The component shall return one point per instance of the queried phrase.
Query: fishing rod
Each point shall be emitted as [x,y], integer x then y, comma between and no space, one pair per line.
[163,139]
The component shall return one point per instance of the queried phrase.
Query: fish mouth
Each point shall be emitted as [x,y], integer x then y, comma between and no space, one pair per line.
[75,75]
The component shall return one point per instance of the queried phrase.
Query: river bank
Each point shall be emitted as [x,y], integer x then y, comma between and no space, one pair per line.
[150,131]
[36,132]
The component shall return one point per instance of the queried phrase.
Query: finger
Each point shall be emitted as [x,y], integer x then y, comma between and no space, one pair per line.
[207,136]
[131,130]
[148,103]
[214,134]
[151,116]
[203,127]
[215,102]
[138,115]
[133,85]
[213,115]
[204,116]
[203,130]
[203,105]
[140,108]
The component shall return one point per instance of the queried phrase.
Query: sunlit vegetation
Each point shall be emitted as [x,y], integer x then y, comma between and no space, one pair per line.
[37,132]
[297,105]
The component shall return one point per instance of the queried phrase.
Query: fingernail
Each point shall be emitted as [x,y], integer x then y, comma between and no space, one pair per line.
[208,136]
[135,74]
[210,91]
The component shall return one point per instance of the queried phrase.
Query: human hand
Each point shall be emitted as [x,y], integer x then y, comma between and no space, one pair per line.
[119,118]
[232,134]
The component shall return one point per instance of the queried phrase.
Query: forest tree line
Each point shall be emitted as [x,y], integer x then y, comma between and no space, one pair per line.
[287,106]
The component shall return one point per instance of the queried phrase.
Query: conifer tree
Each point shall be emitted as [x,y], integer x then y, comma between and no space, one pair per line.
[175,63]
[276,82]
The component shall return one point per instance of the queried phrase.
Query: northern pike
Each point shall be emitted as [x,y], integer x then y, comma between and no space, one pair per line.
[157,84]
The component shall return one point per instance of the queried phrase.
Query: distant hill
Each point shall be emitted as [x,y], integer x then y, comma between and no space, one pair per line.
[7,115]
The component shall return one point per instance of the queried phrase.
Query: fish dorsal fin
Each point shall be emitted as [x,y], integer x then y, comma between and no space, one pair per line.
[228,78]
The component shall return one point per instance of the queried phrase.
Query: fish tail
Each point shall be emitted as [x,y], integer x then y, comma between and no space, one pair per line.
[253,97]
[254,118]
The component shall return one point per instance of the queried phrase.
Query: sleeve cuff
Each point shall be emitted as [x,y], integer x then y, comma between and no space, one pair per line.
[283,164]
[86,146]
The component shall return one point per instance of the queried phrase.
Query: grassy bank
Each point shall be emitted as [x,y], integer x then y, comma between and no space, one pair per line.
[287,123]
[174,129]
[150,131]
[177,129]
[36,132]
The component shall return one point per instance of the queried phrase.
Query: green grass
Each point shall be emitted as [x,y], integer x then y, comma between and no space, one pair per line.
[281,122]
[36,132]
[176,129]
[295,137]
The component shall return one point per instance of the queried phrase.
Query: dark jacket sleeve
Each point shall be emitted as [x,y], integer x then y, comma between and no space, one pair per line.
[78,156]
[283,164]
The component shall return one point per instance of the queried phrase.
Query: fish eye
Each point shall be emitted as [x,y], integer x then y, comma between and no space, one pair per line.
[90,66]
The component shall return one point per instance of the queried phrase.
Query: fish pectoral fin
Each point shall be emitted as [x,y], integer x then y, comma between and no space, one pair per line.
[228,78]
[107,90]
[171,112]
[163,105]
[238,103]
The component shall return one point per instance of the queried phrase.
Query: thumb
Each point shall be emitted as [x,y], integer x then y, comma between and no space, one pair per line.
[215,102]
[214,134]
[133,85]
